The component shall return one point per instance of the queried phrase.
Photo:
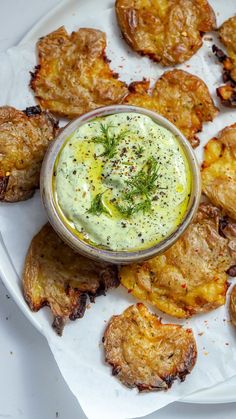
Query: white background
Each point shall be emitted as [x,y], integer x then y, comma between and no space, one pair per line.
[31,386]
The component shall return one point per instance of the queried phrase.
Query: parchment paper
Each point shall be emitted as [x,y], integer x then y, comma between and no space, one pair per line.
[79,353]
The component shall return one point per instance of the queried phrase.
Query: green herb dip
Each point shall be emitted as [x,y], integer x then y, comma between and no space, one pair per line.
[122,182]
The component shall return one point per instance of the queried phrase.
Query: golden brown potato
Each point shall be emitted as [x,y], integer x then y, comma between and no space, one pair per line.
[24,138]
[227,34]
[190,277]
[181,97]
[145,353]
[219,171]
[168,31]
[232,305]
[227,229]
[55,276]
[73,75]
[227,95]
[227,92]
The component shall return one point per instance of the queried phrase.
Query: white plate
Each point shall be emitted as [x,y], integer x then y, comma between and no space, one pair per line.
[70,13]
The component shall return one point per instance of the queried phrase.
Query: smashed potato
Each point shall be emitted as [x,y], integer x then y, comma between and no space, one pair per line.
[24,138]
[219,171]
[55,276]
[232,305]
[227,34]
[227,229]
[190,277]
[227,95]
[181,97]
[168,31]
[73,75]
[145,353]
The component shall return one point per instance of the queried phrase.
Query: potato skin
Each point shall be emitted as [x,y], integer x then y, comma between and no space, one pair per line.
[190,277]
[168,31]
[227,35]
[179,96]
[227,95]
[24,139]
[55,276]
[232,305]
[219,171]
[73,75]
[146,353]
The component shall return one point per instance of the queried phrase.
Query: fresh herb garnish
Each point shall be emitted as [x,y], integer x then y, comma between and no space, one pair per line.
[97,206]
[108,140]
[126,211]
[143,206]
[142,185]
[139,151]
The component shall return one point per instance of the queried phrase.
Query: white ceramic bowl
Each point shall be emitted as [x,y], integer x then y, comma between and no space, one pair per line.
[118,257]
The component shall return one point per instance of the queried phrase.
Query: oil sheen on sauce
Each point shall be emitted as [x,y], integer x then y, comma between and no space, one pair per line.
[122,182]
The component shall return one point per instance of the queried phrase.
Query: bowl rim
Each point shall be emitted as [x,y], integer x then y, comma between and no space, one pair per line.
[86,249]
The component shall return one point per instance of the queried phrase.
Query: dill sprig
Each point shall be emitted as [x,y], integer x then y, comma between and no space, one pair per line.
[139,151]
[144,183]
[97,206]
[128,211]
[108,140]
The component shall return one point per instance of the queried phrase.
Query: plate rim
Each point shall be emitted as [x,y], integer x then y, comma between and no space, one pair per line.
[31,36]
[6,265]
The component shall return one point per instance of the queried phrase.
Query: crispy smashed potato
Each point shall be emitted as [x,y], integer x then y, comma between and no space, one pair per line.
[227,95]
[55,276]
[227,92]
[168,31]
[181,97]
[24,138]
[190,277]
[73,75]
[145,353]
[227,34]
[232,305]
[219,171]
[227,229]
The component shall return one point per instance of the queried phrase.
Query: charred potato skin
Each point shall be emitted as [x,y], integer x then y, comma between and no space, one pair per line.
[55,276]
[227,229]
[190,277]
[160,29]
[24,139]
[179,96]
[219,171]
[73,75]
[137,338]
[232,306]
[227,92]
[227,95]
[227,35]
